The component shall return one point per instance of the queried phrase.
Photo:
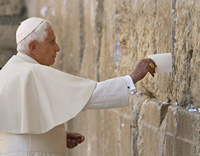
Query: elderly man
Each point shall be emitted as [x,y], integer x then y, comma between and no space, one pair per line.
[36,100]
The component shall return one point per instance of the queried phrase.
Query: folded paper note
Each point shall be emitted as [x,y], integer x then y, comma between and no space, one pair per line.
[163,62]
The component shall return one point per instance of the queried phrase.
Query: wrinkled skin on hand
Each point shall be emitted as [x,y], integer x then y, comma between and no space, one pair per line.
[73,139]
[142,68]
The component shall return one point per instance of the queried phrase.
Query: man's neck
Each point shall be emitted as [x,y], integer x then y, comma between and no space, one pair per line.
[27,57]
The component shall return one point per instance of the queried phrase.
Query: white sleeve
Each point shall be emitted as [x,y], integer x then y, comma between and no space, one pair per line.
[130,85]
[109,94]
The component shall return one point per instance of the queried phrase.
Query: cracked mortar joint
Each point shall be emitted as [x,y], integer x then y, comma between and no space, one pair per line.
[139,93]
[175,104]
[165,103]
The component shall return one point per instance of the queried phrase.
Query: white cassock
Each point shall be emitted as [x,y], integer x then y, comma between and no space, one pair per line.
[36,101]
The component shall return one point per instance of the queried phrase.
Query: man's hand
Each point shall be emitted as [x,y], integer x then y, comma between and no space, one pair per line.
[73,139]
[142,68]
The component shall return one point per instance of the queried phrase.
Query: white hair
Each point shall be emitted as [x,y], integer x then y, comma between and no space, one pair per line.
[39,34]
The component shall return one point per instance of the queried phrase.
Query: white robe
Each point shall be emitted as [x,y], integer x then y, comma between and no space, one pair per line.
[40,99]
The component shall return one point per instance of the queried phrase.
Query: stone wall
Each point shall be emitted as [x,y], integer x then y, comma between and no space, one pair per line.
[91,34]
[164,130]
[11,14]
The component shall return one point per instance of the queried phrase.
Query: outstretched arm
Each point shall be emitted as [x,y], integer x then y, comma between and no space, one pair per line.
[115,92]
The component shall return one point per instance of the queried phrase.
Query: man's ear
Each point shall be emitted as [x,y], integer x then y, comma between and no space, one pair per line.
[33,47]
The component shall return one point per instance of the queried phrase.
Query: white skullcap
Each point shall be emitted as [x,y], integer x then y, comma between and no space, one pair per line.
[27,27]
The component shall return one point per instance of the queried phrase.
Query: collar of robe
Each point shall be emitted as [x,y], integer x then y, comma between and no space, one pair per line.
[26,58]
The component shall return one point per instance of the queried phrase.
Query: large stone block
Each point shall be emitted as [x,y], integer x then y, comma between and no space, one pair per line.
[186,55]
[137,123]
[124,132]
[111,135]
[187,125]
[10,7]
[169,145]
[150,141]
[91,41]
[171,120]
[108,41]
[5,55]
[184,148]
[152,113]
[7,36]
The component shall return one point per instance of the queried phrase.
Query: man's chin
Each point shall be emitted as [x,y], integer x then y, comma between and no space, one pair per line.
[52,62]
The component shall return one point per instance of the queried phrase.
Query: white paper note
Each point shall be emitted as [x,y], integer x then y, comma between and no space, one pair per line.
[163,62]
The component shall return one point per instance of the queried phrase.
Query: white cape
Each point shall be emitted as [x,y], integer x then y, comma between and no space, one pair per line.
[35,98]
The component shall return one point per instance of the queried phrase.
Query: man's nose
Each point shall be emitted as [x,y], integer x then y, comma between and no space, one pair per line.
[57,48]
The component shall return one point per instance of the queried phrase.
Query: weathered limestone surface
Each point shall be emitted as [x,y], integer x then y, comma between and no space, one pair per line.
[11,13]
[7,36]
[147,29]
[187,53]
[4,56]
[177,134]
[10,7]
[87,32]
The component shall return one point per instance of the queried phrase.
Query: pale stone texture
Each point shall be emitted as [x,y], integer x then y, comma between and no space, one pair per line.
[147,29]
[187,125]
[184,148]
[152,113]
[153,122]
[7,36]
[5,55]
[187,53]
[11,13]
[106,60]
[150,141]
[168,145]
[10,7]
[164,45]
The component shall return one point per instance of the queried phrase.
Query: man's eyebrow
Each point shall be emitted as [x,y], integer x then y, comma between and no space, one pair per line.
[51,39]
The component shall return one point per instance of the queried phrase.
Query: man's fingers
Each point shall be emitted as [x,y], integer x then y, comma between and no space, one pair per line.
[76,136]
[82,138]
[74,141]
[71,143]
[151,61]
[77,140]
[151,68]
[151,71]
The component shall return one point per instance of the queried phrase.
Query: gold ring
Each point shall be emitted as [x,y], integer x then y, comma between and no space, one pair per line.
[152,65]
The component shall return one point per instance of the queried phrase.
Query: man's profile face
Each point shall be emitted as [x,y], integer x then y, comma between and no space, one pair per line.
[47,50]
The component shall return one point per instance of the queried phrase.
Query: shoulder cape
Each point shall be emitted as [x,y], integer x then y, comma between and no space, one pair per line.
[35,98]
